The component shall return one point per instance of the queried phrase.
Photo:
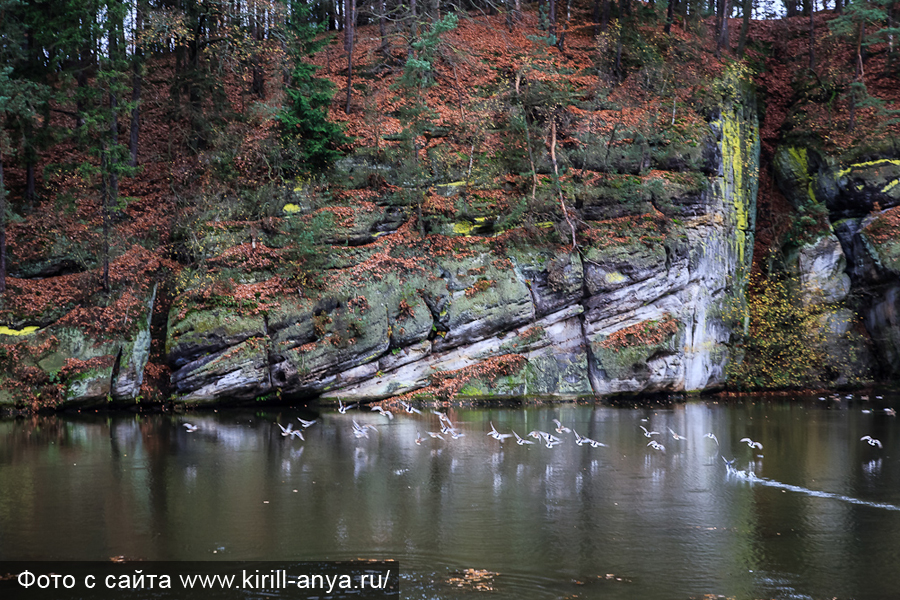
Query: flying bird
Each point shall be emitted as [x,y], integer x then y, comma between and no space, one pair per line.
[713,437]
[384,413]
[648,433]
[189,427]
[872,441]
[675,435]
[751,443]
[409,408]
[560,428]
[520,440]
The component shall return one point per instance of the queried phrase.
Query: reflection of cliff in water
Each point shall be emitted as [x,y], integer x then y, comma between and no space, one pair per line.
[815,514]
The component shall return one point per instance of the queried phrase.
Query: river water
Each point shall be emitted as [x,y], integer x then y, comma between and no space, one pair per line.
[815,513]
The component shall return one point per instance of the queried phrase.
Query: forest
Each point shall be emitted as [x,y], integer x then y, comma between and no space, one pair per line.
[175,174]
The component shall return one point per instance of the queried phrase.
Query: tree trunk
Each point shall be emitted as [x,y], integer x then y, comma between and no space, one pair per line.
[551,19]
[258,85]
[722,21]
[812,36]
[349,34]
[670,17]
[136,80]
[382,29]
[746,13]
[104,214]
[413,27]
[2,230]
[561,41]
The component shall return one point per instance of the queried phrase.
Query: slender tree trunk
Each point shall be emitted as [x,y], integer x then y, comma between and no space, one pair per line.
[838,7]
[561,42]
[860,73]
[542,15]
[551,19]
[413,27]
[111,158]
[890,25]
[722,41]
[2,230]
[812,36]
[258,85]
[349,34]
[607,9]
[670,17]
[136,80]
[746,13]
[104,210]
[382,29]
[595,17]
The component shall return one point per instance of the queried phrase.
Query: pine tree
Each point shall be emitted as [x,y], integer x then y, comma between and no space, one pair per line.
[308,137]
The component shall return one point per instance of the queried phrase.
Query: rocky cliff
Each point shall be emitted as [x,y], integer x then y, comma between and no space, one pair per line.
[642,305]
[850,266]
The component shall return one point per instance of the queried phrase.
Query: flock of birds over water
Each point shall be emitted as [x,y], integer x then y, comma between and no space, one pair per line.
[550,439]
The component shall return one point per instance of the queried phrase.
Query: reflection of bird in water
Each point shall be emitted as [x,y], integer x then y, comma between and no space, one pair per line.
[648,433]
[384,413]
[520,440]
[190,427]
[871,441]
[751,443]
[560,428]
[713,437]
[675,435]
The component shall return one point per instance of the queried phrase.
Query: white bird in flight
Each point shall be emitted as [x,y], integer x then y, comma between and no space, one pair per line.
[872,441]
[751,443]
[520,440]
[675,435]
[560,428]
[648,433]
[384,413]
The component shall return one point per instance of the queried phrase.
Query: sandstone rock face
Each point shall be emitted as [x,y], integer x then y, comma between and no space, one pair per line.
[854,284]
[642,307]
[823,277]
[103,370]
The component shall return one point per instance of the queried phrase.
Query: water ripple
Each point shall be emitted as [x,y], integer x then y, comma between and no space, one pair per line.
[753,478]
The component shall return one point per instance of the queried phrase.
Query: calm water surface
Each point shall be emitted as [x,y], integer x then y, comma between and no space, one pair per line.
[814,514]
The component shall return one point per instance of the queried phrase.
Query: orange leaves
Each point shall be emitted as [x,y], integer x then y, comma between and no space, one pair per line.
[645,333]
[446,384]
